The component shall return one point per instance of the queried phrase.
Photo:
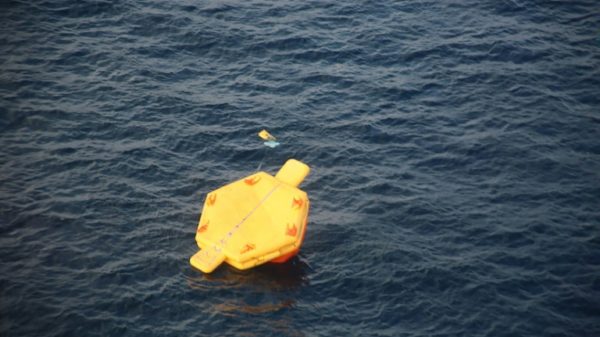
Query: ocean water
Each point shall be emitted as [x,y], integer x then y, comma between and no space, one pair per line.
[454,147]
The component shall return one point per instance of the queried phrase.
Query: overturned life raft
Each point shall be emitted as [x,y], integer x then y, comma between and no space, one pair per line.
[254,220]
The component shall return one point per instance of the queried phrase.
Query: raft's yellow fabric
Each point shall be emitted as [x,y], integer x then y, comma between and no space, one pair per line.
[253,220]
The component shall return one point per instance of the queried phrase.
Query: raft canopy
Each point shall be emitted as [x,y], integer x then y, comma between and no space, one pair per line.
[254,220]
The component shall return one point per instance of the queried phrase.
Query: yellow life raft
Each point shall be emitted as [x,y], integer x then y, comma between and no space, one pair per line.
[254,220]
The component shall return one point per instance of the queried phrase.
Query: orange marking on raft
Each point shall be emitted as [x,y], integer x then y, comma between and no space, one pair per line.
[211,199]
[247,248]
[203,228]
[291,231]
[297,203]
[251,181]
[286,257]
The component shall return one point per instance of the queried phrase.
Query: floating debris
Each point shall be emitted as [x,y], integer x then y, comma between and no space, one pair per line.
[271,141]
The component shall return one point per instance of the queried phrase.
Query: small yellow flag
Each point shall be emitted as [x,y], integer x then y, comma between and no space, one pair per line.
[265,135]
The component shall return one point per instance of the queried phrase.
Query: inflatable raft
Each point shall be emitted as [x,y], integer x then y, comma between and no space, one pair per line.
[254,220]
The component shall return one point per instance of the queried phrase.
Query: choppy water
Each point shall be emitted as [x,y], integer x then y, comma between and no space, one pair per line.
[455,148]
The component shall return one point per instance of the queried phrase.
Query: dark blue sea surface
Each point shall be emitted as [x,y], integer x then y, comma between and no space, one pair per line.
[454,147]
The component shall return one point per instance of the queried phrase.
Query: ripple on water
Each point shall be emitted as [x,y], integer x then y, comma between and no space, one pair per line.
[453,148]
